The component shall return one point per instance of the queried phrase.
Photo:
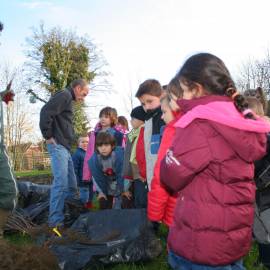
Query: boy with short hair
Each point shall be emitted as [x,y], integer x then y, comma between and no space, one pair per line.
[106,166]
[149,94]
[85,188]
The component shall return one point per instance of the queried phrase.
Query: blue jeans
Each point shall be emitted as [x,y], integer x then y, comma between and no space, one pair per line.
[86,193]
[64,182]
[180,263]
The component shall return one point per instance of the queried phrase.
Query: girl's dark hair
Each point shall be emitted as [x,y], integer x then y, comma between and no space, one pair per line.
[105,138]
[175,88]
[111,113]
[122,120]
[210,72]
[260,95]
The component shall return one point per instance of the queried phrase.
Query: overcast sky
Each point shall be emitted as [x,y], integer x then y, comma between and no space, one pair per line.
[144,39]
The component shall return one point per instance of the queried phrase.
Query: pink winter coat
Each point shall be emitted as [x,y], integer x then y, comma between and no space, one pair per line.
[210,164]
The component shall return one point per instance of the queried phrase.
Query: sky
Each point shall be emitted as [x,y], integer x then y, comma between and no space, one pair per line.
[143,39]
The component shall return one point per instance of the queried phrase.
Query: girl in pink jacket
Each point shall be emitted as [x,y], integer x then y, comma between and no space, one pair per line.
[210,165]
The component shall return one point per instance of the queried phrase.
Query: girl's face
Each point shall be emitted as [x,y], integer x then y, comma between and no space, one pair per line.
[174,106]
[167,114]
[105,121]
[105,149]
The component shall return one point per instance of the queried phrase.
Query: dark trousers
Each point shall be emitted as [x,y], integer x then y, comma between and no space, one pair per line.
[140,194]
[106,204]
[126,203]
[264,254]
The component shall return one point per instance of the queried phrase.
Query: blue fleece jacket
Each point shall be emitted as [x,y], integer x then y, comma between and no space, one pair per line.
[78,158]
[100,177]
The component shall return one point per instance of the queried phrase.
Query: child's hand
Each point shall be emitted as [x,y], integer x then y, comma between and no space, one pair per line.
[127,194]
[101,195]
[142,179]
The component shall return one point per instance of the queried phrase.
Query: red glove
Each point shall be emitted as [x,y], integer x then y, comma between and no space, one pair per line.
[8,94]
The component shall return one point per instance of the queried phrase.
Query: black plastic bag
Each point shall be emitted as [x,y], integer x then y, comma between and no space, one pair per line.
[30,193]
[39,212]
[34,201]
[113,236]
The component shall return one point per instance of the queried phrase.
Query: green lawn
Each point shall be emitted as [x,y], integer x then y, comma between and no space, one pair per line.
[33,173]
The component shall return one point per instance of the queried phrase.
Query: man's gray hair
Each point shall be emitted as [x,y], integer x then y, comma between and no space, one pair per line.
[80,82]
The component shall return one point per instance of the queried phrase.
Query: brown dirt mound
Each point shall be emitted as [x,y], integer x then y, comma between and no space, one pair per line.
[26,257]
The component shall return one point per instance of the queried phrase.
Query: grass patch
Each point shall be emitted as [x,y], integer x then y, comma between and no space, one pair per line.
[19,239]
[33,173]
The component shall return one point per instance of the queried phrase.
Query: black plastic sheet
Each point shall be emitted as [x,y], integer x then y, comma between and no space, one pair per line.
[34,204]
[114,236]
[30,193]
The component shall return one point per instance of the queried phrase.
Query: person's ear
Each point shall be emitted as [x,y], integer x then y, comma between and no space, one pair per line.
[198,90]
[79,88]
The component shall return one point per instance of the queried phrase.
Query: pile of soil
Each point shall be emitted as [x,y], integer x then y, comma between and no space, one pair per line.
[26,257]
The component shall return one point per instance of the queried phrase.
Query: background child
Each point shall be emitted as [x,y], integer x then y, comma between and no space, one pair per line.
[161,203]
[261,228]
[174,92]
[149,94]
[85,188]
[123,122]
[106,166]
[210,165]
[107,123]
[259,94]
[123,127]
[257,107]
[131,170]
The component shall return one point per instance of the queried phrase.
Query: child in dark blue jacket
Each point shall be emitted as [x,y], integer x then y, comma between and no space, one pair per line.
[85,188]
[106,166]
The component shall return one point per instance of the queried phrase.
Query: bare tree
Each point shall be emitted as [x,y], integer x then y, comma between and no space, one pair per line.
[18,123]
[255,73]
[129,97]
